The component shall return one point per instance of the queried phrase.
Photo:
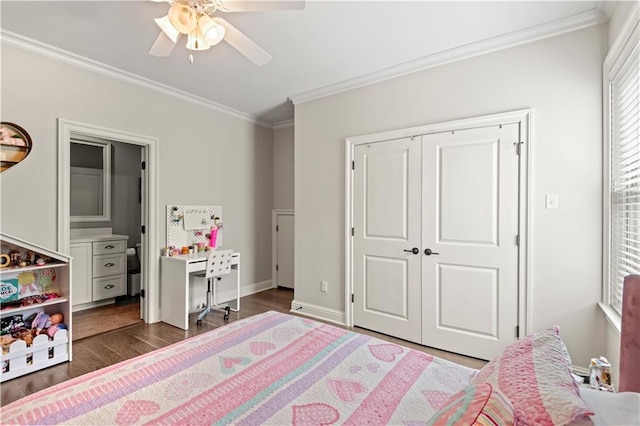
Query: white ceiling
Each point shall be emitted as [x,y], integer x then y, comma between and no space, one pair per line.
[327,47]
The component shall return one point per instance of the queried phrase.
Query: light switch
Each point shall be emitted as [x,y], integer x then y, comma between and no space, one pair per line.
[552,201]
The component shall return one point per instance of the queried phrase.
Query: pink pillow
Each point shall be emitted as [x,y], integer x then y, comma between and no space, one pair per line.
[476,405]
[535,374]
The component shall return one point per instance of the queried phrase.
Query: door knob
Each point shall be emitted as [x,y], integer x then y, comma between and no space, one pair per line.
[428,252]
[413,250]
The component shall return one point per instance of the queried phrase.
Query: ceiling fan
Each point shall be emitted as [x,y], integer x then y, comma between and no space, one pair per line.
[195,19]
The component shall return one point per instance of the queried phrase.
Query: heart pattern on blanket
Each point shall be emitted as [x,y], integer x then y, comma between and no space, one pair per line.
[261,348]
[373,367]
[385,352]
[307,322]
[183,386]
[286,334]
[346,390]
[314,414]
[228,363]
[437,399]
[131,411]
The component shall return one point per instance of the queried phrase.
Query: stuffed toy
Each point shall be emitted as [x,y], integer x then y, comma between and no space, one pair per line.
[54,328]
[42,322]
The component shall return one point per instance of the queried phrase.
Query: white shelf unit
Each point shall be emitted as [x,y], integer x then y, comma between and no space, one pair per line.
[44,352]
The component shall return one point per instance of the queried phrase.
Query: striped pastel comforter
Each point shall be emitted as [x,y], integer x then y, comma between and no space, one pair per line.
[271,368]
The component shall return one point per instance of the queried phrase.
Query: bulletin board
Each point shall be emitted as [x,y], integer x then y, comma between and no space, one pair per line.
[189,225]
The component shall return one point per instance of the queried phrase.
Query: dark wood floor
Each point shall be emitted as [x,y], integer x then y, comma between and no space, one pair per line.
[105,318]
[93,353]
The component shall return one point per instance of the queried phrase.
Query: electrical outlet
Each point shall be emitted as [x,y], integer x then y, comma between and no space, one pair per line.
[551,201]
[323,286]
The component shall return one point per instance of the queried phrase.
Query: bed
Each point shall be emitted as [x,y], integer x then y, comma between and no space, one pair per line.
[276,368]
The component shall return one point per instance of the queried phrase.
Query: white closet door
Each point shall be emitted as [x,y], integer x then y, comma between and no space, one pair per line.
[386,208]
[284,250]
[470,223]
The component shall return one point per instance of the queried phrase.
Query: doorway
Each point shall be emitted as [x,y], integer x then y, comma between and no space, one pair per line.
[438,245]
[146,192]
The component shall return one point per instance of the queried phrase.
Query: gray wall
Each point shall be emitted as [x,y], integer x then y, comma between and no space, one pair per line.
[205,157]
[283,174]
[560,78]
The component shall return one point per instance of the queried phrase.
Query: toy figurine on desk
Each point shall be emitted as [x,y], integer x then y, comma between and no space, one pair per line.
[213,234]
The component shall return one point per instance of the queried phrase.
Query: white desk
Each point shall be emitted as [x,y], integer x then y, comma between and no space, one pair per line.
[174,285]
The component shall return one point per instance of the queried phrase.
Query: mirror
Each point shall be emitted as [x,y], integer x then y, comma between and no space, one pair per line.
[90,177]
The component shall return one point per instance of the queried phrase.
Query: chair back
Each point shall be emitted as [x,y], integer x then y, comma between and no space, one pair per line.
[218,263]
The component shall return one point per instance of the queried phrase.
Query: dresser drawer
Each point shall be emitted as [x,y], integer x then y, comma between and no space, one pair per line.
[108,264]
[108,247]
[107,287]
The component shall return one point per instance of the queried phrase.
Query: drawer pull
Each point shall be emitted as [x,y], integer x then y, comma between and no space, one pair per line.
[109,265]
[109,286]
[109,247]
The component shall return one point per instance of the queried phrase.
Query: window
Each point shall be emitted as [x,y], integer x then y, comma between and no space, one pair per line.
[622,121]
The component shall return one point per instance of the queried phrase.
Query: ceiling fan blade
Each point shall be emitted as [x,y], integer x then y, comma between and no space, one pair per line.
[243,44]
[163,46]
[261,5]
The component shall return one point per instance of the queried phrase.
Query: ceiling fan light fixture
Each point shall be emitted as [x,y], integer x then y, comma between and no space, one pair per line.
[167,28]
[183,17]
[196,40]
[211,30]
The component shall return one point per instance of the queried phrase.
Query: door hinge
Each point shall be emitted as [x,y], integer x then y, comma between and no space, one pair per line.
[353,231]
[276,267]
[144,165]
[143,229]
[517,331]
[518,240]
[353,165]
[277,228]
[352,298]
[142,293]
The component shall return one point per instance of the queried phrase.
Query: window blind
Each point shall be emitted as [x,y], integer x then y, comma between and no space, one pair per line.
[625,175]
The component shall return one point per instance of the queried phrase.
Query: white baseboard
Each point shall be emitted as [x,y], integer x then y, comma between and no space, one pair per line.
[89,305]
[319,312]
[580,371]
[245,290]
[196,303]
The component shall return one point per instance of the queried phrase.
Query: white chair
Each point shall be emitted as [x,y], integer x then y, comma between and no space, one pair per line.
[218,264]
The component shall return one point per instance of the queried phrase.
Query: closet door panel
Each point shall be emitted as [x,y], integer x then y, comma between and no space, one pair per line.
[387,227]
[470,224]
[467,195]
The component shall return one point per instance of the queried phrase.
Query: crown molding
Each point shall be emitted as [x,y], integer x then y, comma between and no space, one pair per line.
[283,124]
[12,39]
[516,38]
[606,7]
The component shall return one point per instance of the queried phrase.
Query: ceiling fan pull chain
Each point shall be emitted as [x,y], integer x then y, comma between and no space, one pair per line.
[190,59]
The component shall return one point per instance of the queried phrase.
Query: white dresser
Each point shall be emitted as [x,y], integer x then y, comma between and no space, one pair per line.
[99,269]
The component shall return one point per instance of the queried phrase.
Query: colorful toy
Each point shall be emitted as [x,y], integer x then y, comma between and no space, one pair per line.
[54,328]
[47,277]
[27,284]
[43,321]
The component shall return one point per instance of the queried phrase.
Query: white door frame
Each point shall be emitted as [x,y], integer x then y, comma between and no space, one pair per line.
[150,262]
[274,240]
[524,117]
